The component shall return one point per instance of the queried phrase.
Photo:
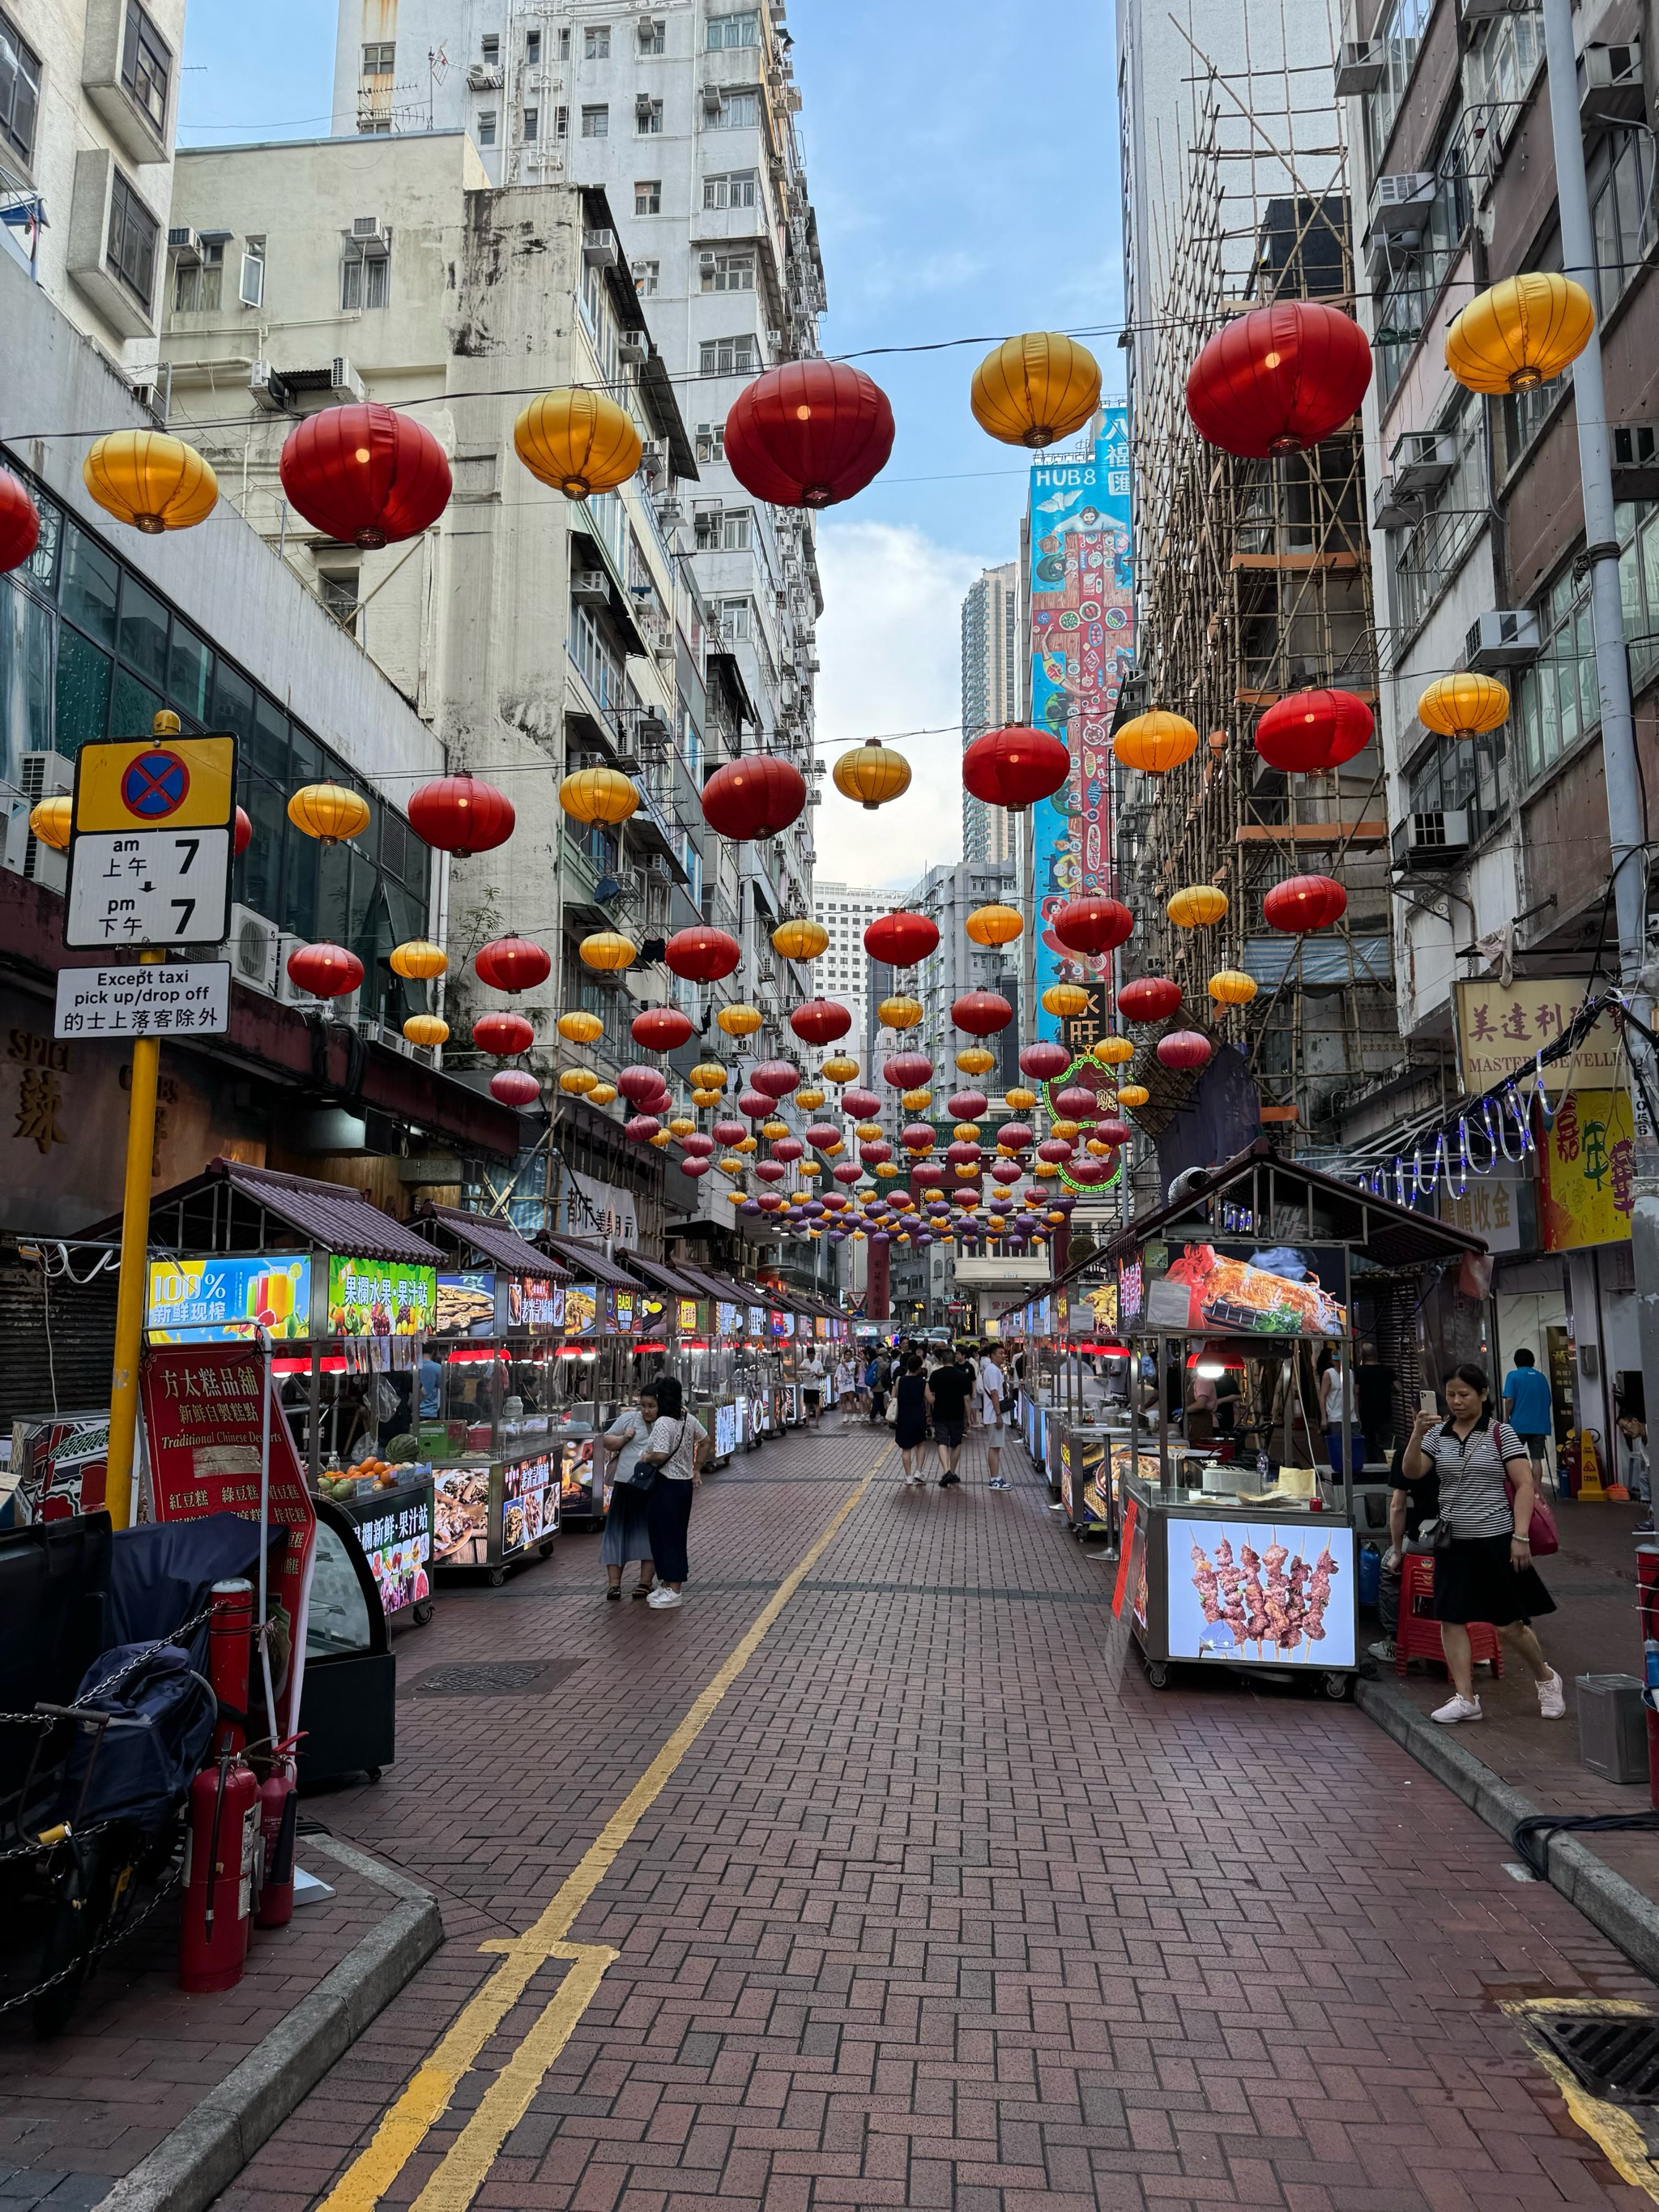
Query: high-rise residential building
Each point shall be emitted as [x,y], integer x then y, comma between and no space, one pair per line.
[991,695]
[843,969]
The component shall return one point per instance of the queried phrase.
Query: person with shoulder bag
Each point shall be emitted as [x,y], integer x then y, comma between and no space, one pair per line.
[627,1535]
[669,1469]
[1490,1520]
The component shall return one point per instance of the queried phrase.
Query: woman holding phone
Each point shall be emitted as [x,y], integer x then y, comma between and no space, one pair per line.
[1485,1572]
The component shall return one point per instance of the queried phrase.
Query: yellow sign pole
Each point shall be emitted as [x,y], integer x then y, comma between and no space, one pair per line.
[133,1287]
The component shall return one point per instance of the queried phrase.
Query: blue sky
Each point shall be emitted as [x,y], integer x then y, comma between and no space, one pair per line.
[963,156]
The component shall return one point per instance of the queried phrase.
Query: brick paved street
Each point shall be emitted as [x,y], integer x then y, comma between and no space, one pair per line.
[944,1906]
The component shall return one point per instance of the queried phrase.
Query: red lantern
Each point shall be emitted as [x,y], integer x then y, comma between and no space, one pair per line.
[457,814]
[325,971]
[1014,767]
[963,1154]
[1043,1061]
[809,434]
[753,797]
[694,1167]
[1278,379]
[661,1028]
[728,1133]
[512,963]
[1304,902]
[908,1070]
[514,1087]
[701,954]
[1182,1048]
[1014,1136]
[822,1134]
[776,1077]
[875,1151]
[917,1137]
[788,1149]
[1149,999]
[20,523]
[1113,1132]
[966,1105]
[757,1105]
[697,1146]
[641,1129]
[1092,1173]
[981,1013]
[772,1171]
[820,1021]
[1005,1171]
[638,1083]
[1308,731]
[900,939]
[847,1171]
[928,1176]
[366,474]
[1077,1104]
[242,835]
[503,1035]
[1055,1149]
[1092,925]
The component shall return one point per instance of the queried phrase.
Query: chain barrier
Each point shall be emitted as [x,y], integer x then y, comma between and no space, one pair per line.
[83,1963]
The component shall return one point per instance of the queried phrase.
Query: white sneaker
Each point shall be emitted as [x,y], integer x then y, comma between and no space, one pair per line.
[664,1599]
[1384,1652]
[1552,1698]
[1456,1708]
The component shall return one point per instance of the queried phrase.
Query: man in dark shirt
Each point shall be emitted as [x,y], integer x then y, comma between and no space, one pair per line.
[947,1397]
[1374,1389]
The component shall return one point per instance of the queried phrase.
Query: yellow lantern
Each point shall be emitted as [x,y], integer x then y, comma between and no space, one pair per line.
[1520,334]
[1155,742]
[682,1124]
[809,1099]
[1232,987]
[328,812]
[1068,1001]
[1044,1168]
[776,1128]
[426,1030]
[975,1061]
[662,1141]
[810,1167]
[915,1102]
[420,960]
[732,1166]
[899,1013]
[150,480]
[50,821]
[884,1169]
[702,1098]
[799,939]
[841,1067]
[598,794]
[579,442]
[1112,1051]
[1132,1094]
[709,1075]
[1065,1131]
[580,1027]
[1019,1100]
[834,1145]
[1097,1148]
[739,1021]
[966,1132]
[746,1144]
[602,1094]
[964,1173]
[578,1082]
[872,774]
[994,925]
[608,951]
[1197,907]
[1035,388]
[867,1131]
[1464,706]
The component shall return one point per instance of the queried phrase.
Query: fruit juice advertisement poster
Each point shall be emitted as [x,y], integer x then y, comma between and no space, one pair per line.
[1277,1594]
[382,1297]
[217,1301]
[686,1322]
[397,1541]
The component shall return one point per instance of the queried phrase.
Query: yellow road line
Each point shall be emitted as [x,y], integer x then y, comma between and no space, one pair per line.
[426,2095]
[1608,2126]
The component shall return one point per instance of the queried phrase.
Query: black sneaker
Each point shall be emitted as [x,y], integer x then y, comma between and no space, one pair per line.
[949,1482]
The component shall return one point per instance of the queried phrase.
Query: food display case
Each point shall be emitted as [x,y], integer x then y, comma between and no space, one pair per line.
[394,1526]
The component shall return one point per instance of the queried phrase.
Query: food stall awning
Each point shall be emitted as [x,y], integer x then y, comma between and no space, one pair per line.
[496,1241]
[674,1280]
[589,1264]
[232,1206]
[723,1290]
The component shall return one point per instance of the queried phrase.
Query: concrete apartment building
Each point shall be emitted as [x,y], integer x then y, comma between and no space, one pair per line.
[994,662]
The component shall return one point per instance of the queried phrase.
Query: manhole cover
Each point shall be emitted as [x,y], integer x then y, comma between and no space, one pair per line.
[502,1677]
[1615,2055]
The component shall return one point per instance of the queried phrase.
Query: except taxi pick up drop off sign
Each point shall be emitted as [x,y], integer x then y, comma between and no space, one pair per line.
[151,848]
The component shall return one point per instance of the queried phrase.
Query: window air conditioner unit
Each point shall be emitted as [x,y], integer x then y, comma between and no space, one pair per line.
[343,382]
[289,993]
[1423,460]
[39,775]
[251,949]
[600,249]
[1430,840]
[643,105]
[631,347]
[1507,638]
[1636,461]
[484,77]
[714,99]
[650,452]
[1484,11]
[1610,87]
[590,587]
[1392,511]
[366,232]
[1401,202]
[271,394]
[185,248]
[1360,66]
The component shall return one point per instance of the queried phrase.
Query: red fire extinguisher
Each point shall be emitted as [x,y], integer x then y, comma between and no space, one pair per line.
[229,1650]
[222,1848]
[279,1813]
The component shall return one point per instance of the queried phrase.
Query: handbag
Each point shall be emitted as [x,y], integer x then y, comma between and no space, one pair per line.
[1543,1537]
[643,1478]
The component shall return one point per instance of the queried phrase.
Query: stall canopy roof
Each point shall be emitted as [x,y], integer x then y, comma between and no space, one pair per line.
[496,1241]
[234,1207]
[720,1287]
[671,1280]
[589,1263]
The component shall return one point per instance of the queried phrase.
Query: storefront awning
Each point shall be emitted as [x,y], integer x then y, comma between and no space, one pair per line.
[496,1241]
[589,1264]
[234,1207]
[674,1280]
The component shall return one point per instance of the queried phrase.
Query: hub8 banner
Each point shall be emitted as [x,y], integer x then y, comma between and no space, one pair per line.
[1083,642]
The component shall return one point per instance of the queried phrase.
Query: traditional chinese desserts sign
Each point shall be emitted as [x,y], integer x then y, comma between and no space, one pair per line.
[1282,1596]
[1587,1169]
[1501,1031]
[202,1424]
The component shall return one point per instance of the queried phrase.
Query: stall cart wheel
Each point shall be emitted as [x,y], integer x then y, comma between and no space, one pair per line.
[497,1576]
[1158,1673]
[372,1772]
[546,1549]
[422,1612]
[1339,1688]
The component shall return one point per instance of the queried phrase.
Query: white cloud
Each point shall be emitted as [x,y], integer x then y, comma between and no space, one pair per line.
[890,643]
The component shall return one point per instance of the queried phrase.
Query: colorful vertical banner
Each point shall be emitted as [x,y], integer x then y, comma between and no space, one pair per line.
[1083,642]
[1587,1162]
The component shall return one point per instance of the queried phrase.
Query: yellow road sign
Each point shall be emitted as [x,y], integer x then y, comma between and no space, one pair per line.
[155,783]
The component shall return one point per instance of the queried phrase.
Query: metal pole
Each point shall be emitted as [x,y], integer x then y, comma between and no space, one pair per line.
[133,1283]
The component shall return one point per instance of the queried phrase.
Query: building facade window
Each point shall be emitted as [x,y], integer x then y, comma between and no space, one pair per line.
[1415,274]
[732,356]
[742,29]
[20,89]
[365,278]
[653,36]
[199,286]
[1425,557]
[1501,64]
[533,49]
[728,272]
[596,122]
[736,189]
[486,126]
[647,196]
[131,248]
[489,47]
[339,592]
[648,278]
[1399,30]
[735,618]
[561,123]
[601,669]
[722,529]
[648,118]
[1457,774]
[532,125]
[738,111]
[380,58]
[596,42]
[1557,701]
[147,65]
[1621,210]
[251,286]
[711,442]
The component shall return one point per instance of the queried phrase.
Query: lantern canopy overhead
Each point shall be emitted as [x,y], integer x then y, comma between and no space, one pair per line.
[800,939]
[607,951]
[459,814]
[150,480]
[872,774]
[1093,925]
[1278,379]
[330,812]
[661,1028]
[820,1021]
[754,798]
[1148,998]
[502,1034]
[19,522]
[365,474]
[981,1013]
[1182,1048]
[513,963]
[325,971]
[900,939]
[703,954]
[1466,705]
[809,434]
[1198,906]
[1302,903]
[1232,987]
[1520,334]
[1155,742]
[514,1087]
[1308,732]
[580,443]
[1016,767]
[739,1021]
[598,794]
[419,960]
[1035,388]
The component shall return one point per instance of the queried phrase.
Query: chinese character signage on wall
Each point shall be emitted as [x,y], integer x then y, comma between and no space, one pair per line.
[1498,1211]
[208,1300]
[382,1297]
[1082,591]
[592,1208]
[1501,1031]
[1587,1169]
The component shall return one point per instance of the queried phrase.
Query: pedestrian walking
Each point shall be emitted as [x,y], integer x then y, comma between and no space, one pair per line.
[1483,1568]
[1634,1431]
[845,1379]
[812,1385]
[910,1418]
[677,1450]
[627,1531]
[948,1388]
[1337,1403]
[1529,1410]
[988,1390]
[879,1378]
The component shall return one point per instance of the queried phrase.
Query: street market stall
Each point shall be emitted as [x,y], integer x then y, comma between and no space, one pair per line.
[601,1340]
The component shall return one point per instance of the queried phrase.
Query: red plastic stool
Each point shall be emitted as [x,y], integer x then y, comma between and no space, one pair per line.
[1418,1635]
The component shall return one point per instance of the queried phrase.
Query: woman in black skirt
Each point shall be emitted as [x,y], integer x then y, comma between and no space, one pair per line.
[1485,1572]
